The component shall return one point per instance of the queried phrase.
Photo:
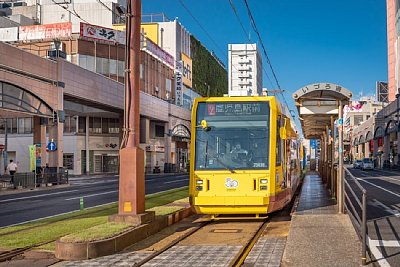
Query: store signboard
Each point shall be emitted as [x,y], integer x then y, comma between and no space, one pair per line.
[154,49]
[187,70]
[100,33]
[46,31]
[178,89]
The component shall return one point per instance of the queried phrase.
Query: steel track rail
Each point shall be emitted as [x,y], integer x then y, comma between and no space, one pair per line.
[173,243]
[241,256]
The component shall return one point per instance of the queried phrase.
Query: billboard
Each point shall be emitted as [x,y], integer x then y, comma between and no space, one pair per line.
[154,49]
[46,31]
[187,70]
[9,34]
[100,33]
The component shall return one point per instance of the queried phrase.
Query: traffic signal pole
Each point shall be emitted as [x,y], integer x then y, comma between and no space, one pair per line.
[131,206]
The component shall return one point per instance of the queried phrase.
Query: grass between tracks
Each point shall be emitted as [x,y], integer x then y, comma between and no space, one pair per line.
[89,224]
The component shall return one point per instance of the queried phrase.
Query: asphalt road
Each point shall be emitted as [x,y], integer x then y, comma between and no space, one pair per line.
[383,213]
[97,190]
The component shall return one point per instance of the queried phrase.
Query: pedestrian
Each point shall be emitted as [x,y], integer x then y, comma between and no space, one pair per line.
[12,169]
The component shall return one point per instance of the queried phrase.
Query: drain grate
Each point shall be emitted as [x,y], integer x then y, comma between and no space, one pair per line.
[226,231]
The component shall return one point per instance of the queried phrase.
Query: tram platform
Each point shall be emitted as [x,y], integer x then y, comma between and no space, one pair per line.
[318,235]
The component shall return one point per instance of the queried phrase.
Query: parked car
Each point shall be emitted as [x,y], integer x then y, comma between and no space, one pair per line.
[357,164]
[367,164]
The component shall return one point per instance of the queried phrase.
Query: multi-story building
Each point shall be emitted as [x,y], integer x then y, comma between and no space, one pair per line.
[245,70]
[355,114]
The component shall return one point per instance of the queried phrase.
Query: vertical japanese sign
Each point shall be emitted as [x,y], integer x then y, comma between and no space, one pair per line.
[32,157]
[178,83]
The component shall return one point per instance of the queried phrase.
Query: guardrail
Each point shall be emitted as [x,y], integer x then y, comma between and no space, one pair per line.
[28,179]
[360,223]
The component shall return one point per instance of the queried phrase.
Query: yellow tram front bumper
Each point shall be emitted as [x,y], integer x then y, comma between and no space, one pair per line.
[231,205]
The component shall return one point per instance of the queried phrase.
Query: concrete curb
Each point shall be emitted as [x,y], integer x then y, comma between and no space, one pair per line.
[94,249]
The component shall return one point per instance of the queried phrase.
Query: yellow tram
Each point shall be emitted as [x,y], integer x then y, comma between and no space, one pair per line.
[245,156]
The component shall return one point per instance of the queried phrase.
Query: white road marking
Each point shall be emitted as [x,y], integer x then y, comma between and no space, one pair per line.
[60,214]
[378,204]
[42,195]
[93,195]
[385,243]
[379,175]
[377,186]
[173,181]
[47,217]
[380,259]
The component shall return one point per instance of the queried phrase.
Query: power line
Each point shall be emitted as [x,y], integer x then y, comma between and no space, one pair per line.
[73,13]
[253,23]
[245,33]
[112,11]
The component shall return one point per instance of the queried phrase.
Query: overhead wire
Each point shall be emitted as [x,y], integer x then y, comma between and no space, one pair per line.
[112,11]
[72,13]
[254,26]
[205,31]
[247,37]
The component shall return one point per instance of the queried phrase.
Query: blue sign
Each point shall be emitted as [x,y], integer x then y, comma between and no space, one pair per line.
[313,144]
[340,121]
[51,146]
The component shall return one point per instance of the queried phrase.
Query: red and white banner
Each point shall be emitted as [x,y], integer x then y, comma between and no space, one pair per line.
[102,33]
[46,31]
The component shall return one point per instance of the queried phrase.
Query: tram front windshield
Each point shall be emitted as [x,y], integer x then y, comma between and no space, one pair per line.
[236,136]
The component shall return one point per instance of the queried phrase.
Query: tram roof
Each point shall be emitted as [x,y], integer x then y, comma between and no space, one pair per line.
[317,103]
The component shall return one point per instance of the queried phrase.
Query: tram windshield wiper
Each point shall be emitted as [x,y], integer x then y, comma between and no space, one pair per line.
[231,169]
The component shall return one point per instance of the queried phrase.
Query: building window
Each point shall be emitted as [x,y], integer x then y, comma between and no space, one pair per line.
[68,161]
[160,130]
[113,125]
[82,125]
[95,125]
[24,125]
[358,119]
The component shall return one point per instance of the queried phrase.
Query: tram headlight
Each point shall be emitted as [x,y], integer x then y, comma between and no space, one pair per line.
[198,181]
[264,187]
[264,181]
[199,188]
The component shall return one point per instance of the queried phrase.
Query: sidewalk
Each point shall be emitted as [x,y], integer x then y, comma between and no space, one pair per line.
[318,235]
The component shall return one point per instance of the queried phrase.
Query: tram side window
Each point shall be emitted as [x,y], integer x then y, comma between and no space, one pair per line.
[278,142]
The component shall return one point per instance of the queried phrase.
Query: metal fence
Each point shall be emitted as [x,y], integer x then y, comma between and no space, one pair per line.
[356,206]
[28,179]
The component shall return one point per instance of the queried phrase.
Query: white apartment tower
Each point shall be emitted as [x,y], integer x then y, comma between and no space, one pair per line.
[245,70]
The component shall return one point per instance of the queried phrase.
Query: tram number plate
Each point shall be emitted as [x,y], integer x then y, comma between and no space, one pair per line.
[258,164]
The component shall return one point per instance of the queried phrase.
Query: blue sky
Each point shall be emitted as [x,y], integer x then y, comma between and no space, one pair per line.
[307,41]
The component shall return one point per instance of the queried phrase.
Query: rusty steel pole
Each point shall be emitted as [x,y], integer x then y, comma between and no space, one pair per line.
[132,84]
[131,182]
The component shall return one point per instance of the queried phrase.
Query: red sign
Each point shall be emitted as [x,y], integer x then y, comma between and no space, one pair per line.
[211,109]
[46,31]
[2,147]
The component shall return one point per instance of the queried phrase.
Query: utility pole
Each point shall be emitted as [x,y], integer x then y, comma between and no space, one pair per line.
[131,206]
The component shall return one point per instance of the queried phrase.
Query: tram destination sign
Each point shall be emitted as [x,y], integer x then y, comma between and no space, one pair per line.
[237,108]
